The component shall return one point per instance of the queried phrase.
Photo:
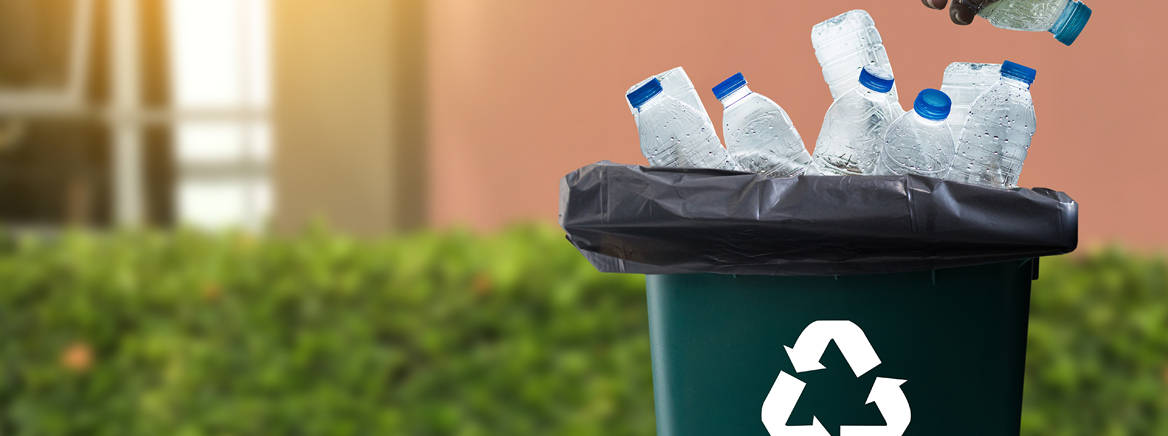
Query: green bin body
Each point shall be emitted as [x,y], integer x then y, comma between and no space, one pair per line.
[956,336]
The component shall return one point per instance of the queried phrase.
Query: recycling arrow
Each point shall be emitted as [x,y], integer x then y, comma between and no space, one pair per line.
[779,404]
[848,337]
[889,398]
[809,348]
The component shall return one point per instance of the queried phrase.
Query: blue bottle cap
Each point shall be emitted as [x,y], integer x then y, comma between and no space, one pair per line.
[1019,72]
[641,95]
[876,79]
[1071,23]
[933,105]
[729,85]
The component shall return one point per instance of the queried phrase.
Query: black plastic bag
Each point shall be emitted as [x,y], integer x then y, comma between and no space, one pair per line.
[653,220]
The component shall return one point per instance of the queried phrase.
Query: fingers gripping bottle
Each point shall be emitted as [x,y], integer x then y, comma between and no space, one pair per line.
[853,129]
[996,136]
[674,134]
[846,44]
[759,134]
[919,142]
[1064,18]
[963,83]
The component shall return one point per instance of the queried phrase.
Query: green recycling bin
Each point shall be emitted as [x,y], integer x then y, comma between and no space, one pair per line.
[819,305]
[919,353]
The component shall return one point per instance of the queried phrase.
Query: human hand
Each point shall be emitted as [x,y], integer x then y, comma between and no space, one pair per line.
[962,11]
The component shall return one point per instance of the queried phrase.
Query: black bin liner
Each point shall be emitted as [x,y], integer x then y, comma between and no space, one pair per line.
[654,220]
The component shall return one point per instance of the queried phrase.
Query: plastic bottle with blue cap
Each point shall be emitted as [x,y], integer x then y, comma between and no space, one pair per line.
[919,142]
[844,45]
[996,136]
[674,83]
[758,132]
[1064,18]
[853,129]
[674,134]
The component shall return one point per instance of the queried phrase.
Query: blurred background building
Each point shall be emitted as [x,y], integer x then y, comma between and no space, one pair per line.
[386,115]
[127,112]
[382,116]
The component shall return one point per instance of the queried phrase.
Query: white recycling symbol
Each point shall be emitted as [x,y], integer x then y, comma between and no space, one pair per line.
[854,345]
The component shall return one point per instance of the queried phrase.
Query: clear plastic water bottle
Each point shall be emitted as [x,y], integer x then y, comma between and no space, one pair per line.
[846,44]
[963,83]
[759,134]
[993,144]
[853,129]
[919,142]
[674,134]
[674,83]
[1064,18]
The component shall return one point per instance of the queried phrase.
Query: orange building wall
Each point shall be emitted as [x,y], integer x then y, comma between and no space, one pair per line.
[525,91]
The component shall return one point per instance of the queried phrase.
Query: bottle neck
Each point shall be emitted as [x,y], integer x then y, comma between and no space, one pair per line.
[652,101]
[870,94]
[1064,16]
[881,99]
[927,122]
[1072,18]
[735,96]
[1015,83]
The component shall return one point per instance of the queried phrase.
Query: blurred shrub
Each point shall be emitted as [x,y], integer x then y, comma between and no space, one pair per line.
[444,334]
[1097,352]
[433,334]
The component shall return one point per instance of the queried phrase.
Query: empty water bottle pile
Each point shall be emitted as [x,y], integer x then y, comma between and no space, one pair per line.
[976,129]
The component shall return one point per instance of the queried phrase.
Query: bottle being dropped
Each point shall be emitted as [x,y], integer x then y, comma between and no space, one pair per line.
[963,83]
[846,44]
[674,134]
[674,83]
[759,134]
[993,144]
[919,142]
[1064,18]
[853,129]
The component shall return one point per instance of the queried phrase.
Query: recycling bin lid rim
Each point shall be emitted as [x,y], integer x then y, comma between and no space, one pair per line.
[652,220]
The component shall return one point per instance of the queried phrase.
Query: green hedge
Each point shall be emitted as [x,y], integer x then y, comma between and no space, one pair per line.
[1097,352]
[444,333]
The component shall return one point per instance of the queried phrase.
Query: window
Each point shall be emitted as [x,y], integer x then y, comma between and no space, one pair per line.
[220,98]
